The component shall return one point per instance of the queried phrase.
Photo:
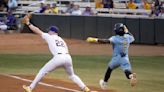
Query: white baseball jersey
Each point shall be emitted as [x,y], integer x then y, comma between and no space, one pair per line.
[55,43]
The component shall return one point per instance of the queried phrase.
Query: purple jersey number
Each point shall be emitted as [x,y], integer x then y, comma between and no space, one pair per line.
[59,43]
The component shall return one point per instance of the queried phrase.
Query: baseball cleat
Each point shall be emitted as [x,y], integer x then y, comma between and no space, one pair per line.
[86,89]
[27,88]
[133,80]
[103,84]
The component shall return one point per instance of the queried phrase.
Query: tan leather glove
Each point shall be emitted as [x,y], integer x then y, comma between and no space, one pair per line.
[26,19]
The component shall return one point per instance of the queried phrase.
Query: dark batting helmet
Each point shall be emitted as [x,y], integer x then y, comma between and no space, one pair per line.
[119,29]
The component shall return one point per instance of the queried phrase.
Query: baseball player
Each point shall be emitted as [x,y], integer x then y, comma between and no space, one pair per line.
[61,56]
[120,58]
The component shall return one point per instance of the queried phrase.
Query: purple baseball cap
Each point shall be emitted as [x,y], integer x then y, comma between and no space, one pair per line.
[54,29]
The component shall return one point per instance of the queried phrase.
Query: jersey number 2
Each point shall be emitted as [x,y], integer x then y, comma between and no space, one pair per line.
[59,43]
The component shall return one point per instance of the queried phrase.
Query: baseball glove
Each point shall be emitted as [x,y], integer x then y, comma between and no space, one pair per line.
[126,29]
[92,39]
[26,18]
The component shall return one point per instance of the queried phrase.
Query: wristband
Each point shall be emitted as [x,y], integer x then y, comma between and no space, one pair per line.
[28,24]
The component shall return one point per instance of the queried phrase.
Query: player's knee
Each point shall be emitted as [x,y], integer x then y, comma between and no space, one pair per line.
[127,73]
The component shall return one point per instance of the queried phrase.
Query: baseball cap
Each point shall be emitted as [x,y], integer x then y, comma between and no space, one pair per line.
[54,29]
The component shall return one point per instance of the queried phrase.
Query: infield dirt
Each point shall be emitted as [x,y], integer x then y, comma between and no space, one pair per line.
[33,44]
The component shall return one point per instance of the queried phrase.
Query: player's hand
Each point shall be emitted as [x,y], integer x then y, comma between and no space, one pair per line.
[26,18]
[126,29]
[92,39]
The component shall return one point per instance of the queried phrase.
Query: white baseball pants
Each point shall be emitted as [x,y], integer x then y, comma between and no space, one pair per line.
[60,60]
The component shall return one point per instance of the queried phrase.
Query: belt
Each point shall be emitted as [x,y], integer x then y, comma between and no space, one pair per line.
[62,53]
[123,54]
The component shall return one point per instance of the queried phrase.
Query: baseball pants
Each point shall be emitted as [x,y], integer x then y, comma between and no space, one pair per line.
[60,60]
[123,62]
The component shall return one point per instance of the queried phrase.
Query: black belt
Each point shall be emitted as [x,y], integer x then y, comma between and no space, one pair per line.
[123,54]
[63,53]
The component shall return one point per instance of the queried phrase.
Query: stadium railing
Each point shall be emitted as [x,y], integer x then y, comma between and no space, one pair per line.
[123,11]
[119,10]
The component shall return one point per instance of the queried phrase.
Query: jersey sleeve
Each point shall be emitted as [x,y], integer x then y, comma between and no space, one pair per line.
[45,36]
[112,39]
[130,37]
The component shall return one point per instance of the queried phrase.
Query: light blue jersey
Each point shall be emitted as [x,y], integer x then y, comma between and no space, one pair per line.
[120,51]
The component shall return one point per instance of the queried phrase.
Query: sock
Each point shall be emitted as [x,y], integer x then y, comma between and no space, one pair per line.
[127,73]
[107,74]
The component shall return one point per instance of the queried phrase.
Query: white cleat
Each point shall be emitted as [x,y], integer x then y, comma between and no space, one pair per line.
[27,88]
[133,79]
[103,84]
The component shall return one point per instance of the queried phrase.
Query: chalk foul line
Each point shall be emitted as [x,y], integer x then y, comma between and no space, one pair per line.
[42,83]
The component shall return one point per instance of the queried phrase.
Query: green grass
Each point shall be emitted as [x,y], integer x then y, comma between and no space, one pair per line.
[150,70]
